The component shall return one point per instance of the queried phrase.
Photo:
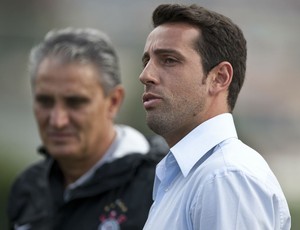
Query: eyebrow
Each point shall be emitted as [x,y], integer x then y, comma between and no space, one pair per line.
[162,51]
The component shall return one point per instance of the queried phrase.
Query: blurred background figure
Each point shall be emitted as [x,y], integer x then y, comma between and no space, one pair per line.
[267,111]
[95,175]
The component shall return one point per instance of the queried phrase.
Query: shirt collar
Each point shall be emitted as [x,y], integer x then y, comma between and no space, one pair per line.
[203,138]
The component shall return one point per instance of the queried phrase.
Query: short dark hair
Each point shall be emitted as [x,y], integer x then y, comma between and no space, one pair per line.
[80,44]
[220,40]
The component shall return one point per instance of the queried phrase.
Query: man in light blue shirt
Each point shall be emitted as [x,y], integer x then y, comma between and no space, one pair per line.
[194,67]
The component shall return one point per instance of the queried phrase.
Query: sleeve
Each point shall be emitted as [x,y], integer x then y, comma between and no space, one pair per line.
[232,200]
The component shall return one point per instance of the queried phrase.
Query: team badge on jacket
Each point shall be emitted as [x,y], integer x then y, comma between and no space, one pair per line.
[115,214]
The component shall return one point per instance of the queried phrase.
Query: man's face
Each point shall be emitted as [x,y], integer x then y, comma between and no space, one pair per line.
[175,88]
[73,115]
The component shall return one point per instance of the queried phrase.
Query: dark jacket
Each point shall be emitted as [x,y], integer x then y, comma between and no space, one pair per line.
[118,196]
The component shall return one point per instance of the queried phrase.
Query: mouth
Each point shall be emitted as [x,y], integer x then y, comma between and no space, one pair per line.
[60,137]
[150,100]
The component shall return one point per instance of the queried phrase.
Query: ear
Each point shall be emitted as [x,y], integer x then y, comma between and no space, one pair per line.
[116,98]
[221,78]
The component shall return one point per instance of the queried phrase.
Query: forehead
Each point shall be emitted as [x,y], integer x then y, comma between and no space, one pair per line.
[172,36]
[54,75]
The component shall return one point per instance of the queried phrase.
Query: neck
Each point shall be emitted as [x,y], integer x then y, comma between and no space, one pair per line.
[72,171]
[175,136]
[74,167]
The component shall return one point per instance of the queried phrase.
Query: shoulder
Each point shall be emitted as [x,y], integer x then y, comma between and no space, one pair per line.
[25,187]
[236,156]
[30,179]
[233,155]
[32,173]
[236,177]
[234,166]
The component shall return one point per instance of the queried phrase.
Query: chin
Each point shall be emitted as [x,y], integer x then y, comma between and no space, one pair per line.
[60,152]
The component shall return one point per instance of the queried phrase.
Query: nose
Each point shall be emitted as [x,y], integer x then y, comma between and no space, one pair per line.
[149,75]
[59,117]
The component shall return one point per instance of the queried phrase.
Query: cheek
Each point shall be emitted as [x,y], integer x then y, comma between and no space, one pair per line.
[41,121]
[92,118]
[41,116]
[181,89]
[93,129]
[91,121]
[188,92]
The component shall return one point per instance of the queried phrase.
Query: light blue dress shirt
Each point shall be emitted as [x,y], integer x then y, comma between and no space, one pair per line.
[211,180]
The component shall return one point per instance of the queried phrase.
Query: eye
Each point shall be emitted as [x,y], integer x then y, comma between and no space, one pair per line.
[145,62]
[76,102]
[44,101]
[170,61]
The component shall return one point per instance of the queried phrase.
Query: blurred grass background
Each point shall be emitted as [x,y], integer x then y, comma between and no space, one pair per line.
[267,112]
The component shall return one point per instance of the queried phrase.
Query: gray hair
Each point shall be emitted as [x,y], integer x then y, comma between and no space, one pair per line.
[85,45]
